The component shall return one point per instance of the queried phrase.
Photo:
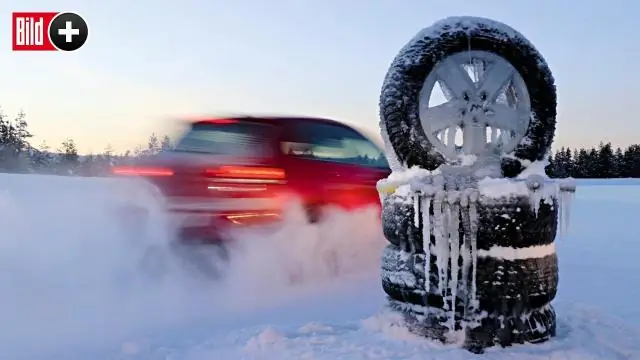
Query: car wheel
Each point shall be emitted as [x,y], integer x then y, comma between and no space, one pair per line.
[404,86]
[206,260]
[313,213]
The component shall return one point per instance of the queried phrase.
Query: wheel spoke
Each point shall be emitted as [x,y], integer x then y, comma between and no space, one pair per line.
[494,135]
[495,79]
[507,119]
[451,137]
[474,139]
[440,117]
[455,79]
[448,94]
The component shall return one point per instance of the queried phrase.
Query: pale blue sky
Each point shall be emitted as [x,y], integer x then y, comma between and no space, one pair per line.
[146,62]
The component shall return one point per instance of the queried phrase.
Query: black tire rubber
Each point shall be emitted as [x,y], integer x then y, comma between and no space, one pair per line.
[511,222]
[518,285]
[400,279]
[406,75]
[539,326]
[397,222]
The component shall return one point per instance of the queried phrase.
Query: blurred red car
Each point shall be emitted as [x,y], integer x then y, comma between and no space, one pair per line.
[242,170]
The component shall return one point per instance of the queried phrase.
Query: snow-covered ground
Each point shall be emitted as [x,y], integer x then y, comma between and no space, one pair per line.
[69,288]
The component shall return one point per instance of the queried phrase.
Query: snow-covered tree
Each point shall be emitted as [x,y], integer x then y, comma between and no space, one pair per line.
[166,143]
[139,152]
[605,165]
[41,159]
[153,145]
[69,157]
[108,151]
[15,150]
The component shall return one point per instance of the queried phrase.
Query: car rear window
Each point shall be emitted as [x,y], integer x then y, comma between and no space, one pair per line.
[245,139]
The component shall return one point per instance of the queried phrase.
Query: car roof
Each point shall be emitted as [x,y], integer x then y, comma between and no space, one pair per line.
[372,136]
[283,119]
[271,119]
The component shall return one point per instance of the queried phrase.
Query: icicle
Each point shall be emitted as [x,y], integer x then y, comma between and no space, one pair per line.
[560,200]
[473,226]
[416,209]
[566,199]
[446,232]
[567,202]
[441,245]
[535,184]
[446,250]
[465,248]
[535,200]
[454,235]
[426,240]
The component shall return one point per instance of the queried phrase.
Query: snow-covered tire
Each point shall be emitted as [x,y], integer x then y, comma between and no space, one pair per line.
[514,282]
[512,222]
[532,326]
[536,325]
[397,222]
[400,94]
[400,280]
[517,284]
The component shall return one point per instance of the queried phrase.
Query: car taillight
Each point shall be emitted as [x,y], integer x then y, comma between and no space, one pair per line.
[257,173]
[141,171]
[217,121]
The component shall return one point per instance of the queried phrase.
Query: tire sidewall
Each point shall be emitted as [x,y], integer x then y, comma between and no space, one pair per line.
[399,103]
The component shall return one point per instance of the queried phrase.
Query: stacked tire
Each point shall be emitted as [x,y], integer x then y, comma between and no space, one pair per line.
[515,294]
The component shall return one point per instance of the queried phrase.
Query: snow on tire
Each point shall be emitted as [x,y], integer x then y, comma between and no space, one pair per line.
[517,267]
[397,222]
[516,253]
[400,280]
[400,108]
[533,326]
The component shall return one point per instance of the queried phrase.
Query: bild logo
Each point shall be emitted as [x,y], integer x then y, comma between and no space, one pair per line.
[48,31]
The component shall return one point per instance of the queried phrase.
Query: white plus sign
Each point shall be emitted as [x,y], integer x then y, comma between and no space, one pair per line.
[68,32]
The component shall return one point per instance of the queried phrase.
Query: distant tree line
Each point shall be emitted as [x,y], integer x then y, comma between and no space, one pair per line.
[17,155]
[600,162]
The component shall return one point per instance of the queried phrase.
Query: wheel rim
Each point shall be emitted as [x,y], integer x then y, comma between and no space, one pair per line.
[487,108]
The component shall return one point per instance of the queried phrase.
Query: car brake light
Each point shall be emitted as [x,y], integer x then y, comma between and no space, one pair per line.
[141,171]
[219,121]
[247,172]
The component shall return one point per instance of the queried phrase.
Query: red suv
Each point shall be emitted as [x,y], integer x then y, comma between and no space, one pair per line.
[243,170]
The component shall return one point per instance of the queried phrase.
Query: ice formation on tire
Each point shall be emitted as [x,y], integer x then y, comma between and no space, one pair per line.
[440,213]
[475,250]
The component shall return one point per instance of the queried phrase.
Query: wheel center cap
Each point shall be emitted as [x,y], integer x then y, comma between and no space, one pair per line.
[473,112]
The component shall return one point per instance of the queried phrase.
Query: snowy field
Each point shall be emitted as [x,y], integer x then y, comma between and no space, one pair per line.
[69,289]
